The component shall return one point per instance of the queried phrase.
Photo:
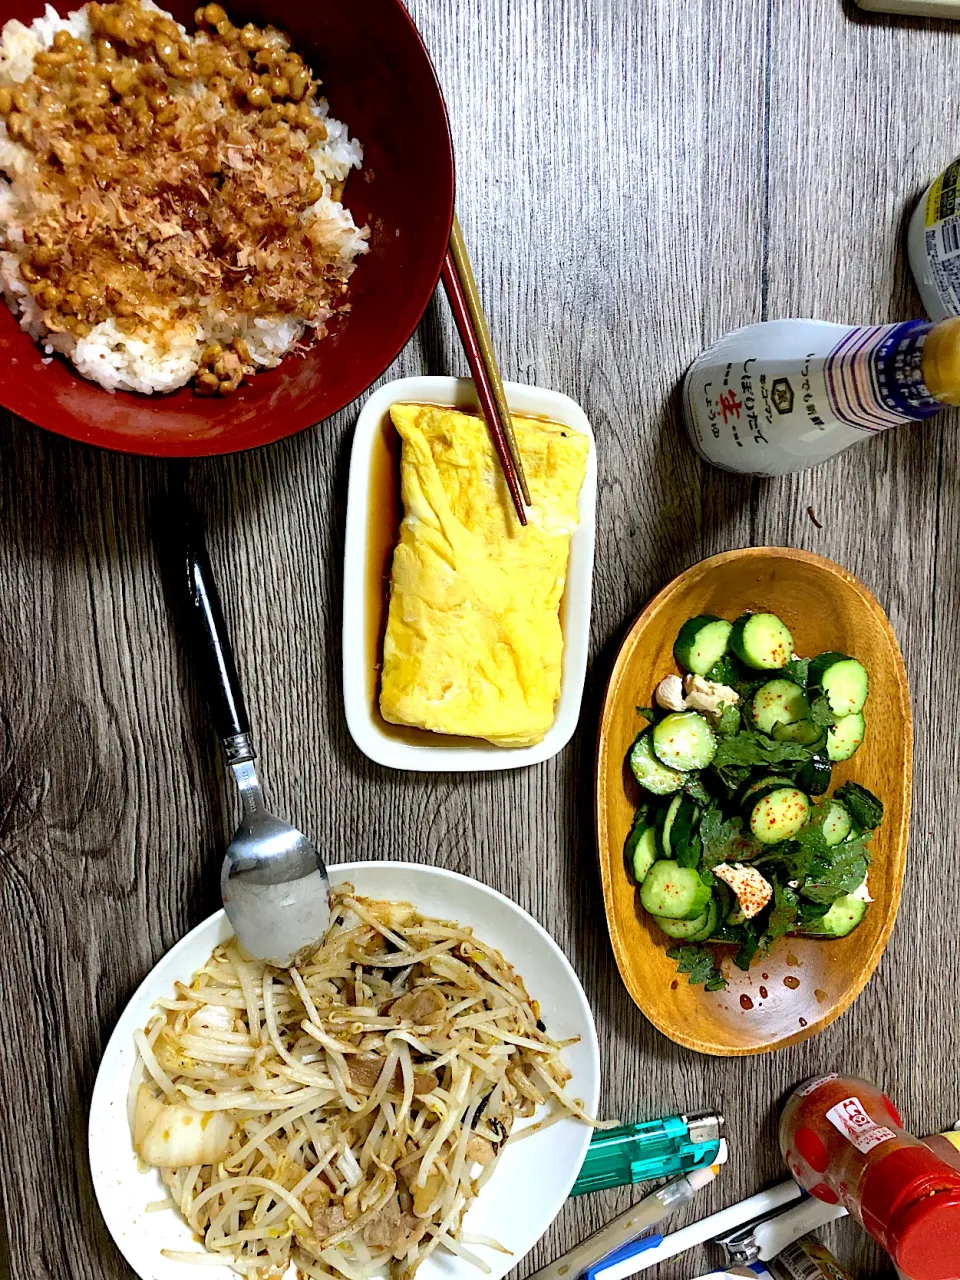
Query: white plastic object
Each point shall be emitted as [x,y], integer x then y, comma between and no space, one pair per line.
[777,1233]
[752,1272]
[533,1178]
[372,736]
[914,8]
[630,1229]
[707,1229]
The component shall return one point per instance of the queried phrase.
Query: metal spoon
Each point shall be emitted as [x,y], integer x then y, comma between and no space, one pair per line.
[274,884]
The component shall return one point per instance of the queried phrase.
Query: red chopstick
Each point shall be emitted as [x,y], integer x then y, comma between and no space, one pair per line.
[461,314]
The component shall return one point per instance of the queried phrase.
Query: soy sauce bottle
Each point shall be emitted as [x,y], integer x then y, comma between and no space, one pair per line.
[786,395]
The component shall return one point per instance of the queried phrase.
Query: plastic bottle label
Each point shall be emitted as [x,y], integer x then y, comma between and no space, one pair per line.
[941,237]
[852,1120]
[814,1085]
[874,377]
[806,1259]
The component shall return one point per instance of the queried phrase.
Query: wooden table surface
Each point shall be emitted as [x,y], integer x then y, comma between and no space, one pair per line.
[635,178]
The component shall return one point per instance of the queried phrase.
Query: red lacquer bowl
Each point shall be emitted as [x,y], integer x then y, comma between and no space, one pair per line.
[378,78]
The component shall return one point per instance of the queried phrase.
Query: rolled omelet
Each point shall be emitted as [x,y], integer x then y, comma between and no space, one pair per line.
[473,644]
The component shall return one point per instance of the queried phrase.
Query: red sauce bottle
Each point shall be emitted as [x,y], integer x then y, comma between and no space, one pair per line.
[947,1147]
[844,1141]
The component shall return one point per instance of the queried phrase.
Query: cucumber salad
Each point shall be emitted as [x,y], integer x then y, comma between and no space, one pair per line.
[736,840]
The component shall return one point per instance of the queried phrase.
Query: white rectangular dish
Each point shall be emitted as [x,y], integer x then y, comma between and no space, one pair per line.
[395,746]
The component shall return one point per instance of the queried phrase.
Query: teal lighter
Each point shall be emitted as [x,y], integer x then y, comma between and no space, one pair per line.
[644,1152]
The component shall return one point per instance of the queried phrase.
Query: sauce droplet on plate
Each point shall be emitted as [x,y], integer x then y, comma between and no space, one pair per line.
[821,995]
[791,981]
[763,993]
[746,1002]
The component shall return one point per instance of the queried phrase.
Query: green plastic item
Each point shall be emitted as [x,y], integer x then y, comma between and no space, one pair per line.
[645,1152]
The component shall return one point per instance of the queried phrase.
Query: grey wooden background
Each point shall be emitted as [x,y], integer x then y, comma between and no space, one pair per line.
[635,177]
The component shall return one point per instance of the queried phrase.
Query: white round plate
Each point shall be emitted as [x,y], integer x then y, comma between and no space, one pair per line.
[533,1178]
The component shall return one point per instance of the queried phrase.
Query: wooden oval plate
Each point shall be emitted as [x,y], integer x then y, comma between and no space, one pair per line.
[802,985]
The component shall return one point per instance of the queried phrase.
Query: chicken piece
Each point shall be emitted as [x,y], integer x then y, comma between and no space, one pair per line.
[382,1229]
[328,1221]
[394,1229]
[707,696]
[423,1007]
[170,1135]
[669,694]
[752,890]
[365,1071]
[416,1230]
[862,892]
[424,1082]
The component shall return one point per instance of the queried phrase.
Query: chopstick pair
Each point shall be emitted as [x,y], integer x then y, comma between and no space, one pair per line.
[461,287]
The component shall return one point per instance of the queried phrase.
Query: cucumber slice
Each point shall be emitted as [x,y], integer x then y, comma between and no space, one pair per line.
[755,792]
[673,891]
[713,919]
[844,681]
[644,853]
[779,703]
[685,844]
[814,777]
[804,732]
[779,815]
[684,740]
[762,641]
[692,930]
[844,737]
[837,824]
[702,642]
[649,772]
[684,929]
[842,918]
[668,822]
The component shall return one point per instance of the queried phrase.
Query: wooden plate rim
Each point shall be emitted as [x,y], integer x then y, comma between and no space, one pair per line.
[602,784]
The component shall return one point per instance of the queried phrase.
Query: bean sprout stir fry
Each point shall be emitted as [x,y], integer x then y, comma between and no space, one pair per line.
[343,1115]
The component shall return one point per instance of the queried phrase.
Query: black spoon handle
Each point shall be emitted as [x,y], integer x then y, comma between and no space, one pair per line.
[196,602]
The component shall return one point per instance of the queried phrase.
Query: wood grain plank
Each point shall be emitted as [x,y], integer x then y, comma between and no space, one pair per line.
[633,181]
[847,160]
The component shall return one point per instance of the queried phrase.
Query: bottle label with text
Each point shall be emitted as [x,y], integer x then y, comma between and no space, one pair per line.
[851,1118]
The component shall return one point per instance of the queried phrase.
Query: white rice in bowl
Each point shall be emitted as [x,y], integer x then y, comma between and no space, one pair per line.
[164,352]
